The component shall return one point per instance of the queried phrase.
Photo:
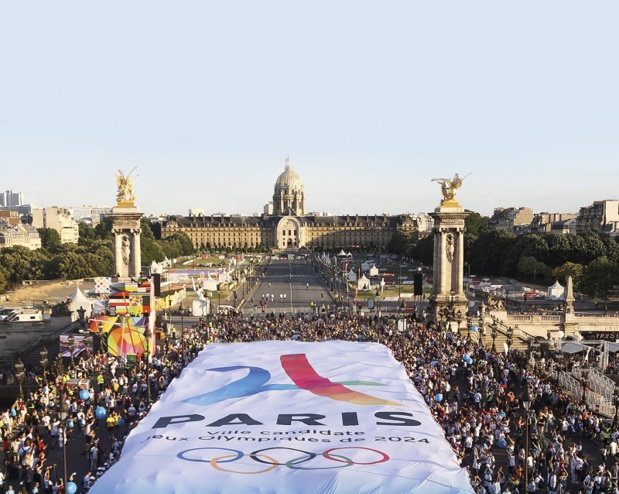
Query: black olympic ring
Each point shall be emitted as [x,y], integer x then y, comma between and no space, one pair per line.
[296,461]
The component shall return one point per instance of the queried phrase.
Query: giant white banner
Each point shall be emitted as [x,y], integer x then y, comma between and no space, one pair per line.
[288,417]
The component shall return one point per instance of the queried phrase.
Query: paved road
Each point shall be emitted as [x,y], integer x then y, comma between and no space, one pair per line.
[290,285]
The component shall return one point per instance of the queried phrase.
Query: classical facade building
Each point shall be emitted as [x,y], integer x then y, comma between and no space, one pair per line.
[18,234]
[287,226]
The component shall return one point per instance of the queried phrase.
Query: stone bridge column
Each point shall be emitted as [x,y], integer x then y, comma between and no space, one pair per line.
[448,268]
[126,230]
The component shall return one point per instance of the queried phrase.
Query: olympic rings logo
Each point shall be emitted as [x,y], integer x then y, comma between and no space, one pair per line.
[295,463]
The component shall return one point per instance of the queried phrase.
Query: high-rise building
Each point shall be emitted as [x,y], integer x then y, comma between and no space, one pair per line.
[10,199]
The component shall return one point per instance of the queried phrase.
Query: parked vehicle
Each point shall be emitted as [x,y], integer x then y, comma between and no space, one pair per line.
[6,312]
[26,315]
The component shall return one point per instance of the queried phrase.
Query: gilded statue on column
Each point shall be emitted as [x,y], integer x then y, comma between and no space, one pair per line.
[448,189]
[125,188]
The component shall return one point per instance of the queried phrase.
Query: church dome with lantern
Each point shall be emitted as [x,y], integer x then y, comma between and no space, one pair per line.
[288,197]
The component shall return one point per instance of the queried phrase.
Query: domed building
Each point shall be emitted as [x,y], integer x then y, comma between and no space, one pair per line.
[285,225]
[288,197]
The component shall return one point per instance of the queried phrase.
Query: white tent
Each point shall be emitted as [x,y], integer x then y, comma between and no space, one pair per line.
[341,253]
[573,347]
[79,301]
[556,292]
[200,306]
[363,283]
[352,276]
[374,271]
[209,283]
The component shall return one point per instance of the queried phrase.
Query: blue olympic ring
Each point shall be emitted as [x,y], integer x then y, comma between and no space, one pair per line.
[293,464]
[239,455]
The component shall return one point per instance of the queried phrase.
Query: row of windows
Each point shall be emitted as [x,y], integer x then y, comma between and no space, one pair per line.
[314,227]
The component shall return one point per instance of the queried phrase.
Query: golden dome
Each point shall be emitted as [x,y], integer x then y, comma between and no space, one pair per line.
[289,178]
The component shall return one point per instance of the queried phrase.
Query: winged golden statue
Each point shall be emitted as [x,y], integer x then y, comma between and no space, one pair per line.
[125,188]
[449,187]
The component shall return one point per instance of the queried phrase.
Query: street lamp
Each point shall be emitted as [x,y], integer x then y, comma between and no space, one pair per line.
[20,374]
[58,365]
[80,314]
[448,314]
[87,344]
[526,404]
[71,347]
[494,334]
[459,319]
[182,333]
[147,335]
[469,325]
[100,327]
[44,362]
[510,337]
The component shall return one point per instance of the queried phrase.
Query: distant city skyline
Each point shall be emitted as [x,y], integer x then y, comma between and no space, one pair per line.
[370,101]
[259,211]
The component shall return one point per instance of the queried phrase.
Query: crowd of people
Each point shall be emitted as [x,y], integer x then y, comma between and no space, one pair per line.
[480,397]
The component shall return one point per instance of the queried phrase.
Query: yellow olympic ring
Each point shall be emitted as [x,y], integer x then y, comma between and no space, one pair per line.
[216,466]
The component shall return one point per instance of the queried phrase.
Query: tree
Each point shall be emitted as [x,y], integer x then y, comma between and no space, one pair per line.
[531,245]
[50,239]
[3,279]
[21,263]
[559,249]
[566,270]
[398,243]
[151,251]
[103,231]
[487,253]
[424,250]
[475,223]
[591,247]
[87,232]
[598,278]
[532,268]
[70,266]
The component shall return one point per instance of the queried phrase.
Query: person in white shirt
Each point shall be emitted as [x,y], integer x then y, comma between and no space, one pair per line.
[553,483]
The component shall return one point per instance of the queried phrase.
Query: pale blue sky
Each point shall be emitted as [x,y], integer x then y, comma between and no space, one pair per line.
[370,99]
